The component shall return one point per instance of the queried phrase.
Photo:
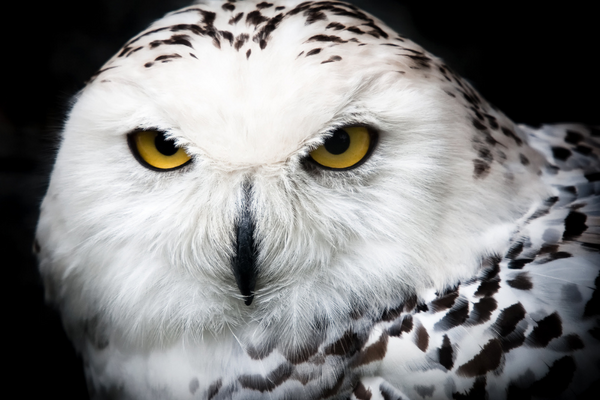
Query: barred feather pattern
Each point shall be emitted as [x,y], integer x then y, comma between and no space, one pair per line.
[528,325]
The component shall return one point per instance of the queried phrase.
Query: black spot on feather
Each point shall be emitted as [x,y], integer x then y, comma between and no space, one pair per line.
[270,382]
[264,4]
[508,132]
[361,392]
[214,388]
[420,61]
[326,38]
[515,250]
[593,177]
[392,313]
[347,345]
[480,169]
[487,288]
[486,155]
[227,36]
[574,225]
[335,26]
[377,31]
[561,153]
[183,40]
[558,255]
[355,30]
[240,40]
[492,121]
[228,7]
[522,282]
[195,29]
[167,57]
[235,19]
[509,318]
[592,307]
[573,137]
[255,18]
[134,50]
[332,59]
[398,328]
[299,8]
[422,308]
[422,338]
[264,34]
[490,267]
[547,329]
[313,52]
[456,316]
[353,12]
[482,311]
[444,301]
[445,353]
[488,359]
[314,16]
[374,352]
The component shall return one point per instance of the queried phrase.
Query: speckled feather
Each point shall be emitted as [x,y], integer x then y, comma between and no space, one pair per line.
[499,298]
[528,323]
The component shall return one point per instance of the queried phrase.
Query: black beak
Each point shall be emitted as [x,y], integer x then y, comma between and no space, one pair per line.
[244,260]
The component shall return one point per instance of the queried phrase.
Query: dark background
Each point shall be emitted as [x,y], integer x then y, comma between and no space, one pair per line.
[537,65]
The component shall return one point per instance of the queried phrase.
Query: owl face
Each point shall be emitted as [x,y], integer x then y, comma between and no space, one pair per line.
[277,165]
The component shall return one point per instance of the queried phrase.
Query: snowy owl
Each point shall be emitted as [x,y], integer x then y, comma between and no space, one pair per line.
[288,200]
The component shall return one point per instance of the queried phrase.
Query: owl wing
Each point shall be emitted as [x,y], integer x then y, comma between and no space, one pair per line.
[529,323]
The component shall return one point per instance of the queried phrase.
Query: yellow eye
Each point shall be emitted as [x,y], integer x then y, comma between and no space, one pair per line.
[345,149]
[153,150]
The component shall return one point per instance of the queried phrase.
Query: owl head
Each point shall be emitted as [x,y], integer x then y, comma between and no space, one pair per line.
[273,165]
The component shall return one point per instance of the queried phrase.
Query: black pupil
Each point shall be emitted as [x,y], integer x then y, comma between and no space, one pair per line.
[166,147]
[338,143]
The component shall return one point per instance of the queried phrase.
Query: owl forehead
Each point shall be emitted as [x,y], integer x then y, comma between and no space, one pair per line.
[251,71]
[254,34]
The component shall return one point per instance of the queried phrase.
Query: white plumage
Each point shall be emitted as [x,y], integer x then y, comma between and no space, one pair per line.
[457,255]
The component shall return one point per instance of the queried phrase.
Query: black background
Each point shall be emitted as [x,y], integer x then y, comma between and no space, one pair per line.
[537,65]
